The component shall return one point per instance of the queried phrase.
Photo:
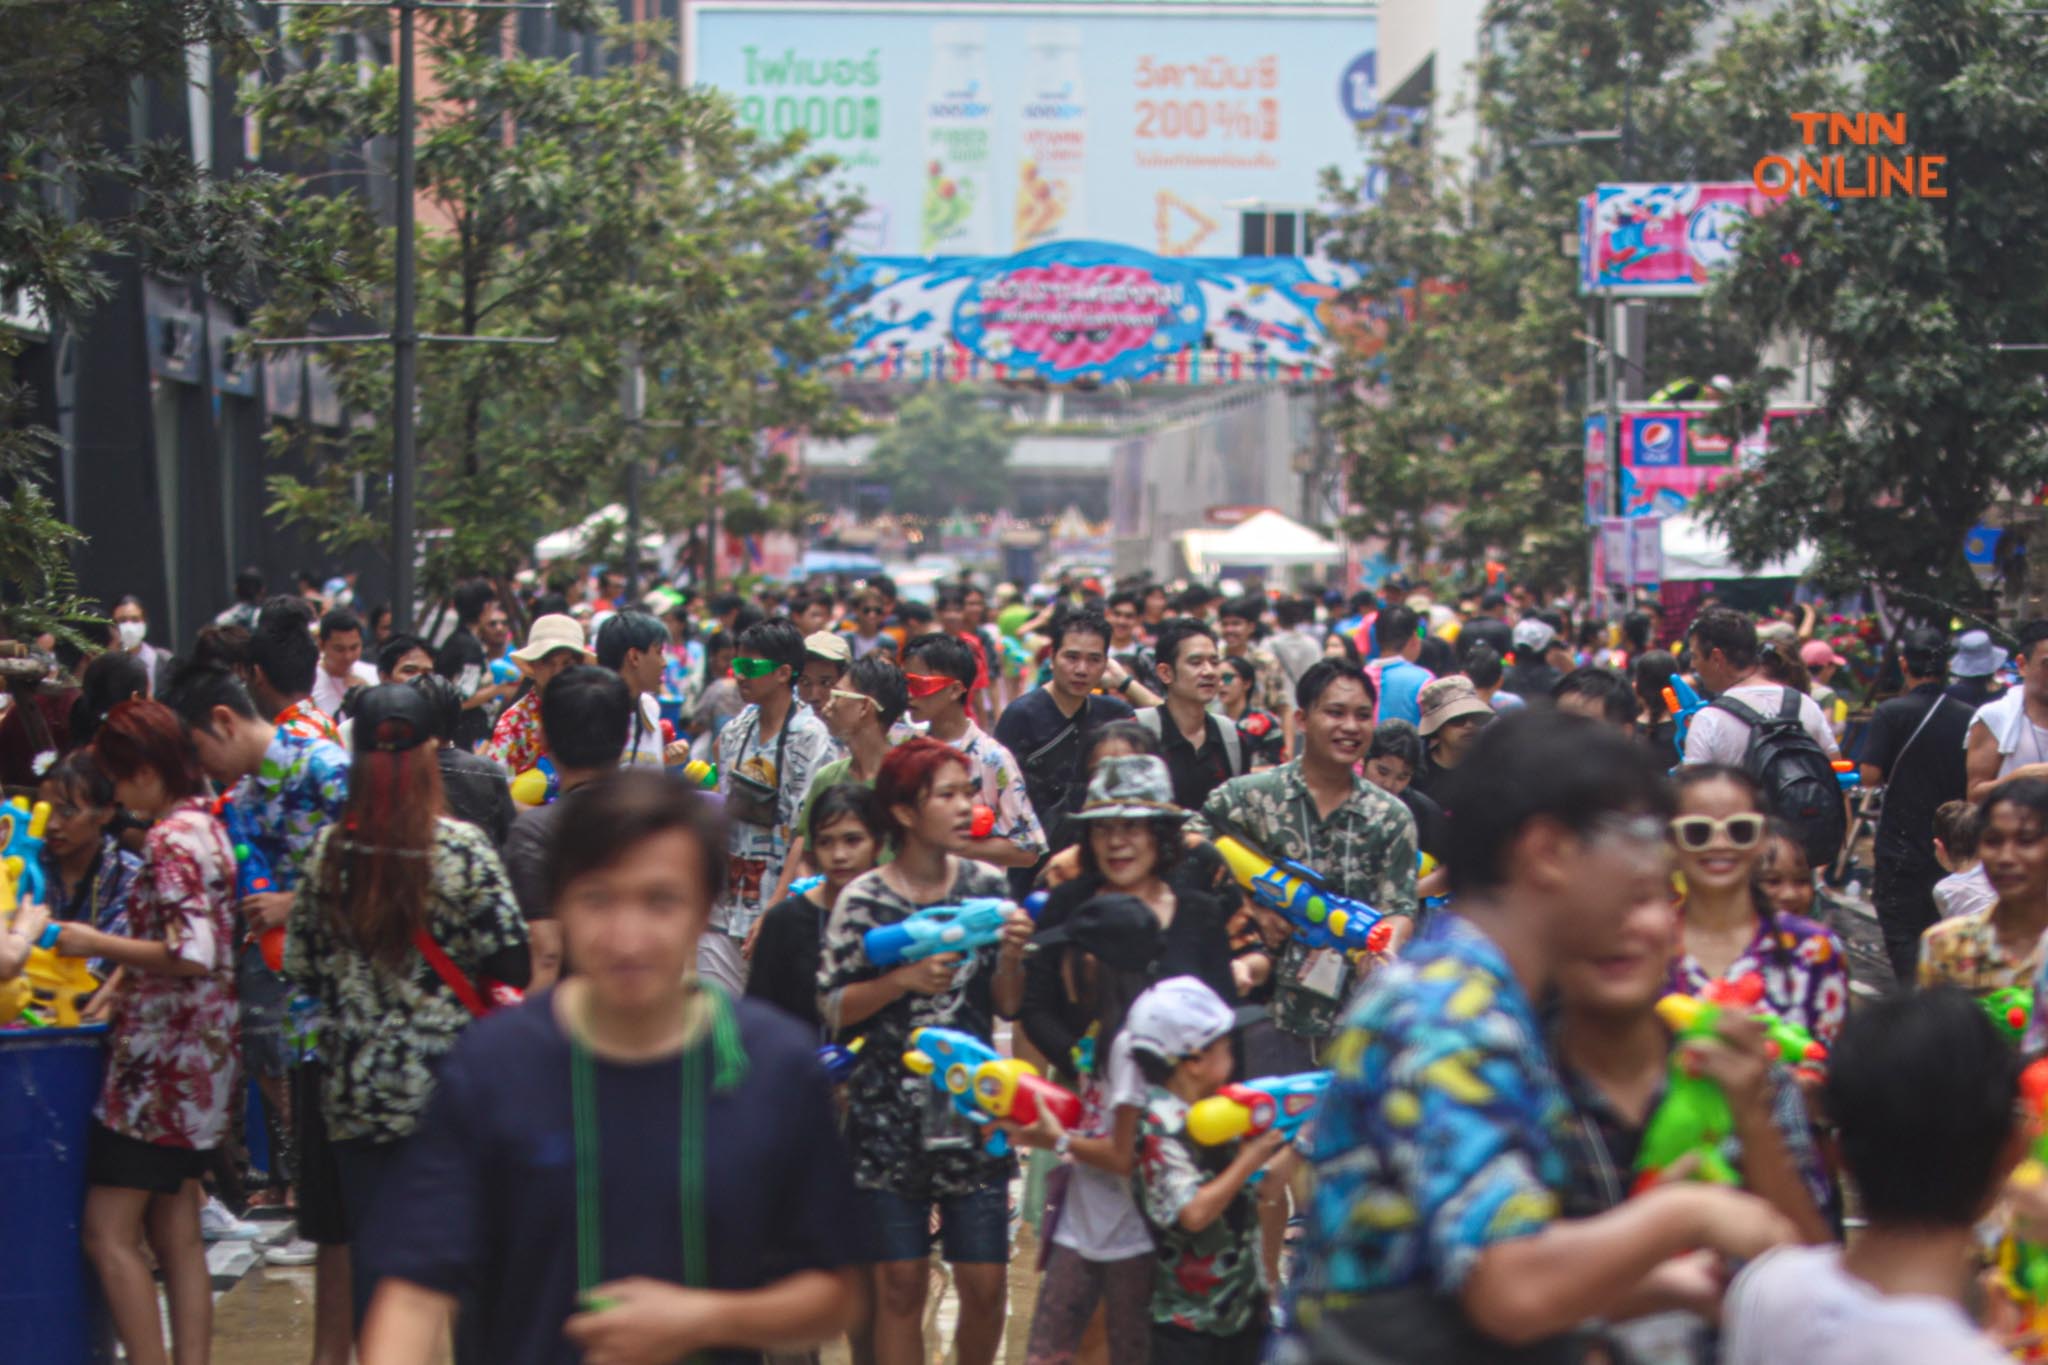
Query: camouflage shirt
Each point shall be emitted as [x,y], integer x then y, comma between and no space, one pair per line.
[1271,691]
[1364,849]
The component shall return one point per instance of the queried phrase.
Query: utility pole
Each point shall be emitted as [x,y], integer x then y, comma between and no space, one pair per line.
[404,337]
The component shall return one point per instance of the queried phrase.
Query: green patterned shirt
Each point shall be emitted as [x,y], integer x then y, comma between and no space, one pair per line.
[1364,849]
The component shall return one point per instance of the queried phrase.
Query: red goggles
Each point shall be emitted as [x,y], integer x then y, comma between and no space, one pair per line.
[927,684]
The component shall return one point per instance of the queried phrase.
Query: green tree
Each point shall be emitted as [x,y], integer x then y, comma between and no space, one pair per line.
[1461,399]
[68,73]
[1923,425]
[946,453]
[612,209]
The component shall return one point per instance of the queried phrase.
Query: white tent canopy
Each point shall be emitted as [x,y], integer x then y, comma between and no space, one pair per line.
[575,540]
[1265,540]
[1693,552]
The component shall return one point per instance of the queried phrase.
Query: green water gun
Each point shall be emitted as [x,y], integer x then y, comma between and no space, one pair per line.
[2010,1007]
[1694,1117]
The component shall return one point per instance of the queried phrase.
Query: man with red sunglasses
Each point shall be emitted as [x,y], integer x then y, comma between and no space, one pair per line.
[939,670]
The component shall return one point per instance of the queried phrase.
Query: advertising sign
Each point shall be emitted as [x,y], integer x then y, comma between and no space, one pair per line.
[1671,456]
[979,129]
[1662,239]
[1599,467]
[1095,312]
[1631,551]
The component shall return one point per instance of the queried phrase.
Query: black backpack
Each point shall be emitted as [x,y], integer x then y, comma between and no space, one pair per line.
[1797,777]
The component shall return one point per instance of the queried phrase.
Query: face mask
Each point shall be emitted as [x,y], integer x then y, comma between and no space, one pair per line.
[132,633]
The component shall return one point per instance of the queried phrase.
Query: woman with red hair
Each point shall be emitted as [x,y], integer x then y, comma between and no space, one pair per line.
[910,1151]
[172,1052]
[403,920]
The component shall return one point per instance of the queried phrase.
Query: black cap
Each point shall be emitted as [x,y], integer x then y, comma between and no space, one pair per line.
[1120,931]
[391,718]
[1925,648]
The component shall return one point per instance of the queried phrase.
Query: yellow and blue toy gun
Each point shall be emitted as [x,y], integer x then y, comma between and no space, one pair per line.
[943,929]
[952,1058]
[1323,918]
[21,852]
[1250,1108]
[1684,704]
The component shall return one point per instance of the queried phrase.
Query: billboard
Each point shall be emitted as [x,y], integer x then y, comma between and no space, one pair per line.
[1662,239]
[1670,456]
[1096,312]
[981,129]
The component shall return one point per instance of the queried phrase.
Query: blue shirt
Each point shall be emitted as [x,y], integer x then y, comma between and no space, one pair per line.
[1401,685]
[298,791]
[1436,1139]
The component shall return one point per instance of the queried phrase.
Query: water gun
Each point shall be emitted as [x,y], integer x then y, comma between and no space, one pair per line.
[838,1060]
[57,985]
[984,823]
[2022,1266]
[252,875]
[1320,916]
[1846,774]
[538,785]
[21,852]
[701,775]
[1684,704]
[803,884]
[2011,1008]
[504,671]
[1694,1115]
[937,929]
[1011,1088]
[952,1059]
[1253,1107]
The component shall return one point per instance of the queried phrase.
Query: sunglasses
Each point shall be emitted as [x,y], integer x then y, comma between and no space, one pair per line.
[1694,832]
[745,666]
[927,684]
[855,697]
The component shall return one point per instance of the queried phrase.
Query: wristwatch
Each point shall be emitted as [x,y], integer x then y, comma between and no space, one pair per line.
[1125,685]
[1063,1146]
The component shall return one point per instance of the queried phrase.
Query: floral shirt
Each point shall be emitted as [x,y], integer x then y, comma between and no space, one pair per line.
[382,1030]
[1437,1138]
[172,1050]
[1270,689]
[1209,1281]
[516,742]
[1964,952]
[902,1130]
[1365,849]
[1805,975]
[307,721]
[1002,789]
[755,853]
[298,790]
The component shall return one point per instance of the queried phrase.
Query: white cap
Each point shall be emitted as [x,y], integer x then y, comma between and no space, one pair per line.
[1533,635]
[1177,1018]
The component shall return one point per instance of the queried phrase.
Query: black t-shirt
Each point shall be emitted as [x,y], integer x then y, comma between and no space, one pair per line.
[1052,752]
[1432,827]
[1532,682]
[462,662]
[485,1193]
[1920,774]
[1195,773]
[784,968]
[1485,630]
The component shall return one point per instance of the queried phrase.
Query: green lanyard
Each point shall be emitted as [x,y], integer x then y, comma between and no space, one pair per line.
[728,1059]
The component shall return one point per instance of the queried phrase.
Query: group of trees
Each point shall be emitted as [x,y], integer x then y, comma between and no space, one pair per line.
[592,199]
[1471,399]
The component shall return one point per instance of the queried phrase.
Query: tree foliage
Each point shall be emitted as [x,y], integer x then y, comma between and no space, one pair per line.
[1923,425]
[608,208]
[1461,397]
[74,194]
[946,453]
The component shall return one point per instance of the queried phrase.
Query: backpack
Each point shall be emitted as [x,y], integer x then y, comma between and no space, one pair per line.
[1797,777]
[1233,745]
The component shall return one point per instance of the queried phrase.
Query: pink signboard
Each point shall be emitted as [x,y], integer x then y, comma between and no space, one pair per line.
[1670,456]
[1662,239]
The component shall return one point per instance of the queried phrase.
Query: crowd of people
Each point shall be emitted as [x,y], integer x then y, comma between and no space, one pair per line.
[532,932]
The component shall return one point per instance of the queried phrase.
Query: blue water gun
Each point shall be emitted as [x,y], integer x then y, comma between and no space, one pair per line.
[1684,704]
[951,1058]
[937,929]
[252,869]
[803,884]
[839,1060]
[22,849]
[504,671]
[1321,917]
[1253,1107]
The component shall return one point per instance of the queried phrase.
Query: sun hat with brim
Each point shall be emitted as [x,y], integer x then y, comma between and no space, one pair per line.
[391,718]
[1119,930]
[1130,787]
[1446,699]
[550,633]
[1976,656]
[1177,1018]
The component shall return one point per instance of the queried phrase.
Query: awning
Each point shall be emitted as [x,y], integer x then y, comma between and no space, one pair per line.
[1693,551]
[1267,540]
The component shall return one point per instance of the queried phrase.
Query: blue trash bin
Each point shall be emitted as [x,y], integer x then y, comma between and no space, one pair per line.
[49,1297]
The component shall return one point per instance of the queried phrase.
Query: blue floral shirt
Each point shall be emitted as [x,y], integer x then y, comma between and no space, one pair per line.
[299,791]
[1436,1139]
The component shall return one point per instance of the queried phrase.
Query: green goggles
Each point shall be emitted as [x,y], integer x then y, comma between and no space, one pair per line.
[745,667]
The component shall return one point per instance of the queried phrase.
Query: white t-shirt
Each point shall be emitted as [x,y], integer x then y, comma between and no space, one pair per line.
[643,736]
[1797,1306]
[328,690]
[1964,893]
[1100,1220]
[1717,737]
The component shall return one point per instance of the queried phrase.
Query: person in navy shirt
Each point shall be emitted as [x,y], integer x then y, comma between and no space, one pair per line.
[630,1165]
